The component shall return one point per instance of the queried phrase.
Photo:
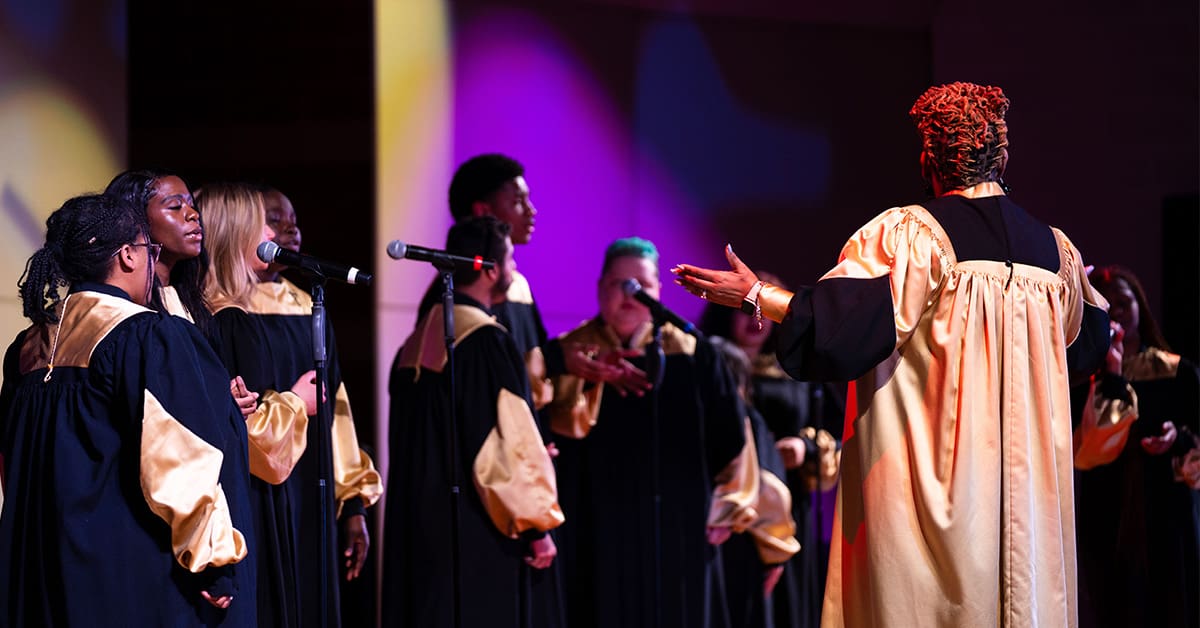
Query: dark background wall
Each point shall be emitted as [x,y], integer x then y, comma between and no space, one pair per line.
[770,124]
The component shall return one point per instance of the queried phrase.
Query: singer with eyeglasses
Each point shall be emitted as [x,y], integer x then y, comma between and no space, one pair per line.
[608,462]
[263,332]
[125,465]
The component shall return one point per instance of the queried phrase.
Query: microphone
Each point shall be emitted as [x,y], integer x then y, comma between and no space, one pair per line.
[272,253]
[399,250]
[632,287]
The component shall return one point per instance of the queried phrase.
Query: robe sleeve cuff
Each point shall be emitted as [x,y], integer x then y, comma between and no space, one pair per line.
[278,435]
[513,473]
[774,531]
[774,302]
[354,473]
[1105,426]
[180,482]
[736,494]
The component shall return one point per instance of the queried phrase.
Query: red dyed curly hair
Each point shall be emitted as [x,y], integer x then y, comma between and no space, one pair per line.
[963,132]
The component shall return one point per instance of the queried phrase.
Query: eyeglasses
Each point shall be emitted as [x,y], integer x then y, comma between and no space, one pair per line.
[153,247]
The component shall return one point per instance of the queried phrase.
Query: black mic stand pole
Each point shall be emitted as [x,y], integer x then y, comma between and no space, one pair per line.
[324,424]
[446,270]
[655,366]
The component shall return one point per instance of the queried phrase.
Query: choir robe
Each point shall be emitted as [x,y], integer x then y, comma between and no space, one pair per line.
[518,313]
[1138,556]
[508,495]
[605,476]
[813,411]
[955,504]
[127,474]
[765,537]
[269,344]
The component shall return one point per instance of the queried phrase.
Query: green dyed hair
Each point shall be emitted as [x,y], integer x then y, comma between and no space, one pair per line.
[629,247]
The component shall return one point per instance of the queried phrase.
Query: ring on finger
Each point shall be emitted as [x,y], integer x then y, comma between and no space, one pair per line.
[704,294]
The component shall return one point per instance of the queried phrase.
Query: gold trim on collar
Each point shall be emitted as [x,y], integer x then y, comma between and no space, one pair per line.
[86,323]
[426,347]
[519,291]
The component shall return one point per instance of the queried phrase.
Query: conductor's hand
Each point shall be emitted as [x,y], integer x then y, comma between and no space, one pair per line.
[1158,445]
[358,541]
[723,287]
[246,401]
[306,389]
[541,553]
[220,602]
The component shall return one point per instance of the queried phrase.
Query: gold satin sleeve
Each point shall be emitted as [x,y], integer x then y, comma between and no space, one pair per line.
[354,473]
[513,472]
[823,472]
[575,407]
[774,301]
[180,481]
[1104,428]
[278,433]
[774,531]
[539,385]
[735,496]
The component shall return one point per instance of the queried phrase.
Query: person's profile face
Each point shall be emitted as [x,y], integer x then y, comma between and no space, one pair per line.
[281,217]
[256,264]
[505,264]
[1122,304]
[623,313]
[174,220]
[511,205]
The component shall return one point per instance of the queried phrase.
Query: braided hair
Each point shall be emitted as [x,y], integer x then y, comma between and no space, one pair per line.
[188,276]
[963,132]
[81,237]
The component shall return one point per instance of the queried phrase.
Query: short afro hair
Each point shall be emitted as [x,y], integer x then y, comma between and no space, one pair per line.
[478,178]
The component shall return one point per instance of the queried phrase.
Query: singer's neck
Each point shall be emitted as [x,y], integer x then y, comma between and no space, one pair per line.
[162,269]
[267,276]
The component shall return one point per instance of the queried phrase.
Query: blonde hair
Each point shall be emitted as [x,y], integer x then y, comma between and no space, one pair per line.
[234,216]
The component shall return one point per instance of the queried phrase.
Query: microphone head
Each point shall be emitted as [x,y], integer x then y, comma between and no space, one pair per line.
[631,286]
[267,251]
[396,249]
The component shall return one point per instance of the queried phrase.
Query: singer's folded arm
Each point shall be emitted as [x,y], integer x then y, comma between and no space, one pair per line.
[278,428]
[865,307]
[512,470]
[356,482]
[190,443]
[735,494]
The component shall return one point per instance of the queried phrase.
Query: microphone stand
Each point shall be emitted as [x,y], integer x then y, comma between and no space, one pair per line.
[324,424]
[446,270]
[655,367]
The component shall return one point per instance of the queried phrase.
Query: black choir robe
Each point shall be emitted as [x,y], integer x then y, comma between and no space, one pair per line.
[814,411]
[1135,522]
[605,470]
[269,344]
[127,474]
[502,505]
[766,539]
